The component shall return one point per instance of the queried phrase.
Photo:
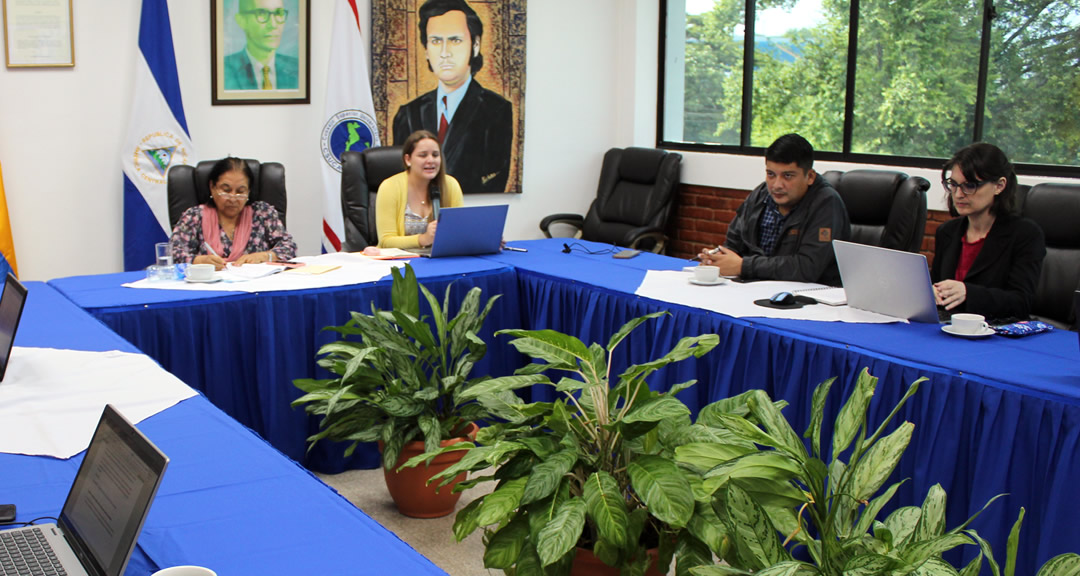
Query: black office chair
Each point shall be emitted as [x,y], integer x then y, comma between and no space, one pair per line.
[886,208]
[635,198]
[189,186]
[1056,209]
[361,175]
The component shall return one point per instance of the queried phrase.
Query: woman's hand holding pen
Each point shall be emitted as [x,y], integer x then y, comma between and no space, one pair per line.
[214,259]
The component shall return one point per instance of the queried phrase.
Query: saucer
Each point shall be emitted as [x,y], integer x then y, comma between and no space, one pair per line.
[948,329]
[210,281]
[716,282]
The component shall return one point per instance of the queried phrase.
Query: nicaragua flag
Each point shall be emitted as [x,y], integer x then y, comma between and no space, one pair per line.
[157,138]
[349,112]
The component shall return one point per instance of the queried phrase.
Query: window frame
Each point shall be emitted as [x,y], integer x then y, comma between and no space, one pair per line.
[744,149]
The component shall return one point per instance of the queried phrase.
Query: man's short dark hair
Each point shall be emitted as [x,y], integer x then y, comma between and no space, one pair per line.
[791,149]
[433,8]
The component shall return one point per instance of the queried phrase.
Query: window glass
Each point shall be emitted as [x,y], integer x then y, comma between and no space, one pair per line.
[800,71]
[916,76]
[1033,92]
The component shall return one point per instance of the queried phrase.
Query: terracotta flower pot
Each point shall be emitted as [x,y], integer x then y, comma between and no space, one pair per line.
[407,486]
[587,564]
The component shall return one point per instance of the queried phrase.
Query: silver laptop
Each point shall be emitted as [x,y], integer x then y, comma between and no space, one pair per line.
[468,231]
[11,307]
[105,509]
[888,282]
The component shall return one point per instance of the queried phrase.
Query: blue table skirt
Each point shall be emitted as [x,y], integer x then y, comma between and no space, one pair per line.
[996,416]
[228,500]
[244,350]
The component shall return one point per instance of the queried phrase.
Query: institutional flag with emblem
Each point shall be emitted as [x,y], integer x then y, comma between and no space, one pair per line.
[7,245]
[350,114]
[157,138]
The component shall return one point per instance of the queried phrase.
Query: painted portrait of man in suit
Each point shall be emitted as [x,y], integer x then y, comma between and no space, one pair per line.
[260,65]
[474,124]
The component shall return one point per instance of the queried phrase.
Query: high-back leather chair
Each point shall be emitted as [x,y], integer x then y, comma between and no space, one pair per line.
[190,185]
[361,175]
[634,200]
[1056,209]
[886,208]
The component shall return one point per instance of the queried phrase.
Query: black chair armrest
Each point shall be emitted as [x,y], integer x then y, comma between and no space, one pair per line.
[638,239]
[575,220]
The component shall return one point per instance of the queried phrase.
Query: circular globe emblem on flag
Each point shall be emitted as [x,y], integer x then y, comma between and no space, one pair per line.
[348,130]
[156,153]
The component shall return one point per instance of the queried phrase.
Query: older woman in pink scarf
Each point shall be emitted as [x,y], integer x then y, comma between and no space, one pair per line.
[228,228]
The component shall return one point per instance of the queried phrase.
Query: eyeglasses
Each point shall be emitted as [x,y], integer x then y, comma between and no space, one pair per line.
[262,15]
[968,188]
[236,195]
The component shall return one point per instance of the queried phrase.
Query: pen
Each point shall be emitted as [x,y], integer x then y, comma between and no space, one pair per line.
[210,249]
[513,249]
[709,251]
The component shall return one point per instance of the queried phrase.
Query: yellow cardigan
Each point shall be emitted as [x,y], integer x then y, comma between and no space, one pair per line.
[390,205]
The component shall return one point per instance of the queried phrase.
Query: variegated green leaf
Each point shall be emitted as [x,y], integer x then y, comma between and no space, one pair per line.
[871,511]
[545,476]
[1061,565]
[707,527]
[704,456]
[550,346]
[1013,543]
[878,463]
[790,568]
[718,571]
[660,409]
[561,533]
[606,505]
[817,415]
[775,424]
[901,523]
[853,414]
[667,494]
[932,520]
[869,565]
[689,552]
[974,567]
[987,552]
[505,546]
[629,327]
[918,552]
[465,520]
[753,529]
[744,429]
[935,567]
[502,502]
[503,384]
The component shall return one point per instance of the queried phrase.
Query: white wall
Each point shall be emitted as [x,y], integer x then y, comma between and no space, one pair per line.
[61,129]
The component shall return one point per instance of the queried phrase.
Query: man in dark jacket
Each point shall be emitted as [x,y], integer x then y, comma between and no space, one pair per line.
[785,228]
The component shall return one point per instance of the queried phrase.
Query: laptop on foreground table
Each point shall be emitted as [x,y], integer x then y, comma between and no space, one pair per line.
[468,231]
[11,307]
[885,281]
[104,511]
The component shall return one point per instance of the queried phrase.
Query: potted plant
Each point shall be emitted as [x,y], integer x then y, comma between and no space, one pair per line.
[400,382]
[590,474]
[785,494]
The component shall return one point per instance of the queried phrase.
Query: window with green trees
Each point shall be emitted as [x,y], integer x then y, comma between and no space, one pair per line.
[892,81]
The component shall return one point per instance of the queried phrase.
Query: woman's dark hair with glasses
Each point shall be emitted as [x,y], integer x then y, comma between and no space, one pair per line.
[987,260]
[980,164]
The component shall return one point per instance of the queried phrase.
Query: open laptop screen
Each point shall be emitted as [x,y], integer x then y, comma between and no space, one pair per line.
[11,307]
[111,495]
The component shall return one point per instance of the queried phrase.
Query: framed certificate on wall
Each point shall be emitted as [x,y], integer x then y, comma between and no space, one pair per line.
[38,33]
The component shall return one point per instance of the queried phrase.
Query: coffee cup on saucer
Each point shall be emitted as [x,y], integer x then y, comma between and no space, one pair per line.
[969,323]
[185,571]
[707,274]
[200,272]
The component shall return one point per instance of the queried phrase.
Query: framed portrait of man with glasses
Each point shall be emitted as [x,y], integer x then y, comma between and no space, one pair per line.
[259,51]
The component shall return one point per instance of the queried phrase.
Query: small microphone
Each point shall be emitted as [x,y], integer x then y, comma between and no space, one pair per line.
[565,248]
[436,200]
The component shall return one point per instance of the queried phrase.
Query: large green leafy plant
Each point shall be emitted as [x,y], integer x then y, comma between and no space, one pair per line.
[785,493]
[398,379]
[592,469]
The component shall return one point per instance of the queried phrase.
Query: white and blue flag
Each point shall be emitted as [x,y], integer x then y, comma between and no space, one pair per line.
[157,138]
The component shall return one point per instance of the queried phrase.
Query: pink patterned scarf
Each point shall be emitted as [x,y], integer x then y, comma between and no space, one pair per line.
[211,231]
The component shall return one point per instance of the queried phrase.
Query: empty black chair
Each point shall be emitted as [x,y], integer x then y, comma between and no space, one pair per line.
[361,175]
[886,208]
[189,186]
[1056,209]
[637,191]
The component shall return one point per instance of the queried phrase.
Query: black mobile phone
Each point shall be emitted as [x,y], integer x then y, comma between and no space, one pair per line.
[7,513]
[626,254]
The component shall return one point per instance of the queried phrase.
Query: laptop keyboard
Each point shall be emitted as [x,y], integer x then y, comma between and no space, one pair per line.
[27,552]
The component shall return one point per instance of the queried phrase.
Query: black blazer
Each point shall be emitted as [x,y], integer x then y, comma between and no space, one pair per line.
[477,145]
[1001,282]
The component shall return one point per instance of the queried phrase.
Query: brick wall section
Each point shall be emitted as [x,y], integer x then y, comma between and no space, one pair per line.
[704,212]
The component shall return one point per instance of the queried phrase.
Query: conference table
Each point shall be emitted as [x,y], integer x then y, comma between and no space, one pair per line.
[996,415]
[243,350]
[228,501]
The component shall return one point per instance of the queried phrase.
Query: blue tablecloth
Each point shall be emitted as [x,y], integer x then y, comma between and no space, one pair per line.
[228,501]
[997,415]
[244,350]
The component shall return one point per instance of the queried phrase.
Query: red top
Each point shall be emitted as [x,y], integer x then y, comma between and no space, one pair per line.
[968,252]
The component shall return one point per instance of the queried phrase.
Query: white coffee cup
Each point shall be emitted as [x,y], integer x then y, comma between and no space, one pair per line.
[185,571]
[707,274]
[969,323]
[200,272]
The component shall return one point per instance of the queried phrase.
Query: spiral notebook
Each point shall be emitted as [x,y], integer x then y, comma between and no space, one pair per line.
[825,295]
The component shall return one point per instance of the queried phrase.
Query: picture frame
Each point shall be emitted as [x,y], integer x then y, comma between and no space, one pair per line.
[276,38]
[38,34]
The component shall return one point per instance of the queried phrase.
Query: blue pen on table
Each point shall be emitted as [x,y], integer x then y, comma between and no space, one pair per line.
[210,249]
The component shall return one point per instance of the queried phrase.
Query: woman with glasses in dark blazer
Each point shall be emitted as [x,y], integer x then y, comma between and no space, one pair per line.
[989,259]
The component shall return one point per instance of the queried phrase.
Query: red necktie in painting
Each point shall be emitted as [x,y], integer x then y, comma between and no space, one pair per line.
[442,122]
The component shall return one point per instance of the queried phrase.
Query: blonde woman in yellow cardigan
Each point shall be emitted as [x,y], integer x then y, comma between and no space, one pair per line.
[403,209]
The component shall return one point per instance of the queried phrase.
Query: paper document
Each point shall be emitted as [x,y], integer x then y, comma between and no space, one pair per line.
[826,295]
[393,254]
[250,271]
[311,269]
